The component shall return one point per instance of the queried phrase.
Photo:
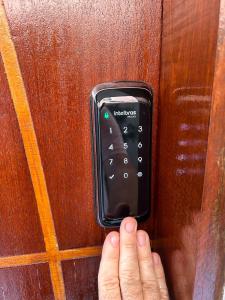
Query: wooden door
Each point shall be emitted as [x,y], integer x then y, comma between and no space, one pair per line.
[52,54]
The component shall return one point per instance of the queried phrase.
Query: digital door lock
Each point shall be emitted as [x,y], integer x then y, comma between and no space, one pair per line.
[121,114]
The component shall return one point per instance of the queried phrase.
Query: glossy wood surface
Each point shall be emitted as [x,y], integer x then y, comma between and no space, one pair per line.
[211,244]
[77,284]
[27,282]
[189,38]
[19,219]
[64,50]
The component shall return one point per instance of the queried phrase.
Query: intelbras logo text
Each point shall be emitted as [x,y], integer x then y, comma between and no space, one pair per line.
[128,113]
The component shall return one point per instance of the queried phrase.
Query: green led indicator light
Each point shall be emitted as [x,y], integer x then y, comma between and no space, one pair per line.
[106,115]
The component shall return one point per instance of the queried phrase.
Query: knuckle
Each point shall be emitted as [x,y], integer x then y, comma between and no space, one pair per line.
[150,285]
[129,245]
[128,276]
[130,282]
[146,260]
[108,283]
[131,289]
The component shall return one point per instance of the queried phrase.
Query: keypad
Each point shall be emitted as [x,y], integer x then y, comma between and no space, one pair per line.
[125,156]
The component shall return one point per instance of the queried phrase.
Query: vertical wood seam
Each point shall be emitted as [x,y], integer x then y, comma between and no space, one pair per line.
[22,109]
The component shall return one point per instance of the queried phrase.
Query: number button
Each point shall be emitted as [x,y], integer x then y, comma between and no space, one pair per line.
[139,174]
[125,129]
[125,146]
[139,159]
[110,130]
[140,128]
[125,175]
[111,147]
[125,160]
[111,161]
[139,145]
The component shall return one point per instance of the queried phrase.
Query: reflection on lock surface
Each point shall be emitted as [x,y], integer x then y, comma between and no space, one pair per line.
[122,116]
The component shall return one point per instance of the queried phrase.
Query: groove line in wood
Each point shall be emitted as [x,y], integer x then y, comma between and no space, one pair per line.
[61,255]
[22,109]
[36,258]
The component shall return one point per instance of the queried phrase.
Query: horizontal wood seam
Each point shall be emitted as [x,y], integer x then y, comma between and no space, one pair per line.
[36,258]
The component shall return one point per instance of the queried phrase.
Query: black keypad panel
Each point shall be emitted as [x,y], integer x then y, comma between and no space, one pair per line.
[125,143]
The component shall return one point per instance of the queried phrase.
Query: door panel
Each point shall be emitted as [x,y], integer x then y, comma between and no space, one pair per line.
[26,282]
[188,52]
[64,50]
[77,284]
[53,54]
[19,217]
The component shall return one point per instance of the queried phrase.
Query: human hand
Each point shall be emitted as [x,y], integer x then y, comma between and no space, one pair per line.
[128,269]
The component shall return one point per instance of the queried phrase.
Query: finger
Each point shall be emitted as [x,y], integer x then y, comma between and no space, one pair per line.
[148,277]
[108,276]
[160,276]
[130,282]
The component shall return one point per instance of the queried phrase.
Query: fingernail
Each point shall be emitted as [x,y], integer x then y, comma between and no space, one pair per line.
[155,258]
[114,239]
[141,237]
[130,227]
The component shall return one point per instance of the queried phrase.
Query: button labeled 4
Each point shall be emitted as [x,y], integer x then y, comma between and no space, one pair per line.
[111,147]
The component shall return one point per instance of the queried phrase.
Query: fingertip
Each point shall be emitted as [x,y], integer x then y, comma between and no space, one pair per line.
[156,259]
[113,238]
[141,238]
[129,224]
[111,245]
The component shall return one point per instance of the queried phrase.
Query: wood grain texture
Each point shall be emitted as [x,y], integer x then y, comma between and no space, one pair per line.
[187,67]
[18,210]
[23,260]
[65,48]
[77,284]
[36,258]
[79,253]
[27,282]
[211,247]
[22,109]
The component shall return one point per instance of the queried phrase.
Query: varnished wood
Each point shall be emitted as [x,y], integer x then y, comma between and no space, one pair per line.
[23,260]
[189,38]
[24,118]
[19,218]
[77,284]
[211,244]
[64,48]
[68,49]
[26,282]
[36,258]
[79,253]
